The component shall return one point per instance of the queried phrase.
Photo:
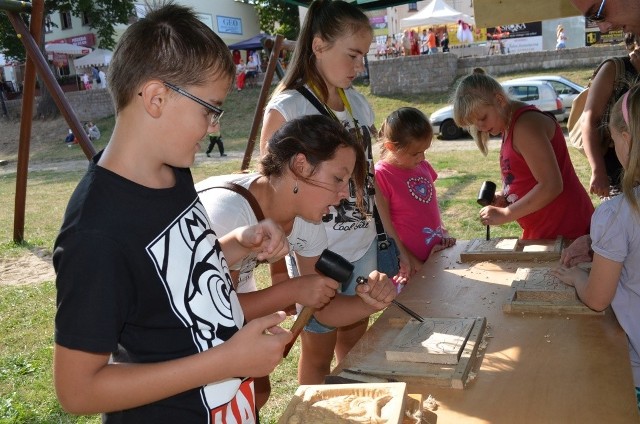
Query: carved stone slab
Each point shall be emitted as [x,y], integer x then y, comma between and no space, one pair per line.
[435,341]
[536,290]
[347,403]
[375,367]
[512,249]
[493,245]
[540,284]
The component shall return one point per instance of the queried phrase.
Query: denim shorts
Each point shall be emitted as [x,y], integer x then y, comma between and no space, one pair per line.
[362,267]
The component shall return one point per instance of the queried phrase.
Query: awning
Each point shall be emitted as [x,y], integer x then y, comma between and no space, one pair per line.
[362,4]
[435,13]
[253,43]
[98,57]
[491,13]
[69,49]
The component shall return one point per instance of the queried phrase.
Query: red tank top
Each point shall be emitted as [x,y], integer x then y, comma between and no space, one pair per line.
[569,214]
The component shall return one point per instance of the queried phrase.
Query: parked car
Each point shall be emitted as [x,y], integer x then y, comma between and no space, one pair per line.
[567,90]
[538,93]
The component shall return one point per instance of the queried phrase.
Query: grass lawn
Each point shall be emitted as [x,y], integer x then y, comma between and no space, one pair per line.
[26,312]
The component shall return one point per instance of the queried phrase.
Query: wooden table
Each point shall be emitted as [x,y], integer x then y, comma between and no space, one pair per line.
[536,368]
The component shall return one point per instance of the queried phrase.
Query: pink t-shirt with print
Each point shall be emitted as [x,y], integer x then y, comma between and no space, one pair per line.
[413,205]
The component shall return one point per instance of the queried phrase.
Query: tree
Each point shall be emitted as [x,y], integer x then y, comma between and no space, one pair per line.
[102,16]
[10,45]
[281,13]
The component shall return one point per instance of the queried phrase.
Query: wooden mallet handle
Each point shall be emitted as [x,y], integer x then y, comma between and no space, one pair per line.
[485,197]
[333,266]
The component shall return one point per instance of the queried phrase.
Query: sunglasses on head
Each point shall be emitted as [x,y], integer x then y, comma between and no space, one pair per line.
[598,16]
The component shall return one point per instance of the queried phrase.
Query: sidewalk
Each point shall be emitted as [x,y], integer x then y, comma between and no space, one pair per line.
[10,167]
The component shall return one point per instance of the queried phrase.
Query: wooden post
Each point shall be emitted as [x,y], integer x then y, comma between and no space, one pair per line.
[28,95]
[36,61]
[273,65]
[257,115]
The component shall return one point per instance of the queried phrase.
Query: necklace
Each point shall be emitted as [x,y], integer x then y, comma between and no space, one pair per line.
[347,106]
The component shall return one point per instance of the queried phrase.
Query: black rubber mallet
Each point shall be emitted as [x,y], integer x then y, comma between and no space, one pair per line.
[335,266]
[485,197]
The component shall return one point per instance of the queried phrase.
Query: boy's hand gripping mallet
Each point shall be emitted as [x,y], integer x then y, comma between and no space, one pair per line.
[333,266]
[485,197]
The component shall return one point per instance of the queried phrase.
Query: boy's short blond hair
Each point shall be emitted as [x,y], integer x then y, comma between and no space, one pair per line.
[169,44]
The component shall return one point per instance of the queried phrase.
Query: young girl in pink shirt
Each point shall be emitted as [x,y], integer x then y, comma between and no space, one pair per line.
[406,181]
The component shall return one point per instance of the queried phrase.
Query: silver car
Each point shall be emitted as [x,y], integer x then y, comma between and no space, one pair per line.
[538,93]
[567,90]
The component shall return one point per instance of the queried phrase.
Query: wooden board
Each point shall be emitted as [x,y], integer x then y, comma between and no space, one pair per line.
[346,403]
[434,341]
[512,249]
[376,367]
[536,290]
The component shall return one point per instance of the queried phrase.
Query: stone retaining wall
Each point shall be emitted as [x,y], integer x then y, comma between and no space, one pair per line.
[438,73]
[400,75]
[88,105]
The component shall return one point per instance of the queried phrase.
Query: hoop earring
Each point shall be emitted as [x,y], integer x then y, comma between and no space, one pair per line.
[295,189]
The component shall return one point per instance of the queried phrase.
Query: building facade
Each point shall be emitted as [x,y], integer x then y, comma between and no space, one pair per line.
[232,20]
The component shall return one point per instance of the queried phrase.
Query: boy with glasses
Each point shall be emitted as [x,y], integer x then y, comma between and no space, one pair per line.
[148,327]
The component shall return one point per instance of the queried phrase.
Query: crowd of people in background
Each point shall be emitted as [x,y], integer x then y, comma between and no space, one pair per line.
[247,71]
[94,78]
[90,128]
[410,43]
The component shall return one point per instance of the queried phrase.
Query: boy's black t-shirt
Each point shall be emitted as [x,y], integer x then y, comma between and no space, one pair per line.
[141,268]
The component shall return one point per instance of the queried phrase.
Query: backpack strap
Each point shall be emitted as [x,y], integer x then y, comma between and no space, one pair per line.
[315,102]
[382,235]
[253,202]
[620,71]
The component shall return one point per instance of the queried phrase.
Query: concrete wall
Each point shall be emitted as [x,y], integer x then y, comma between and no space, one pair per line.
[438,73]
[401,75]
[88,104]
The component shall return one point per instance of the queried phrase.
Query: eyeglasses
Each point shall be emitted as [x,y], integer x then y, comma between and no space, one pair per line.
[216,112]
[598,16]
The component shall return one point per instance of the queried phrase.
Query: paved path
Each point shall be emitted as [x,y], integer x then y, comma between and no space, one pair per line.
[10,167]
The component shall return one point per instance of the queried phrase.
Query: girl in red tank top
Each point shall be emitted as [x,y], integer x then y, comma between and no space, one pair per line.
[540,188]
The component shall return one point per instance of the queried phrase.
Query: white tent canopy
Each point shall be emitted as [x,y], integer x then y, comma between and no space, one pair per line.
[64,48]
[98,57]
[435,13]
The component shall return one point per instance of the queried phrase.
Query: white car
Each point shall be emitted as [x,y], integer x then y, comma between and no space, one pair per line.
[567,90]
[538,93]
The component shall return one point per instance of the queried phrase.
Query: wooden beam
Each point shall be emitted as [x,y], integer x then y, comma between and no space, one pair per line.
[491,13]
[274,47]
[28,95]
[36,61]
[35,55]
[15,6]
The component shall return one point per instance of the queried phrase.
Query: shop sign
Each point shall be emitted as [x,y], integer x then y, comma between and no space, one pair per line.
[228,25]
